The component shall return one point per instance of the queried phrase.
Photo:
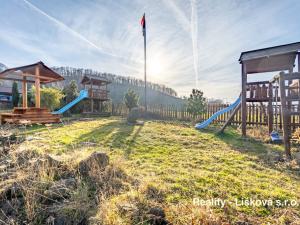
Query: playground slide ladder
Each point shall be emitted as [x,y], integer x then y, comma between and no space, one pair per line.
[215,115]
[82,95]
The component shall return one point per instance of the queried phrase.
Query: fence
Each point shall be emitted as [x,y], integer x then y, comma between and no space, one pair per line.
[257,114]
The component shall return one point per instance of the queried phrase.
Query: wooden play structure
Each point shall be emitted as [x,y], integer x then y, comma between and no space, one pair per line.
[283,90]
[97,93]
[34,74]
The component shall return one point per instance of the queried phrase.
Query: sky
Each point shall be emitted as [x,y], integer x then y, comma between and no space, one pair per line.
[190,43]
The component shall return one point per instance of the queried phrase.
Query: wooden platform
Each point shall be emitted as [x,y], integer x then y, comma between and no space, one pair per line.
[30,116]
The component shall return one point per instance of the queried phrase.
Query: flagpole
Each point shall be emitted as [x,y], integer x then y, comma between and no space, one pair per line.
[145,64]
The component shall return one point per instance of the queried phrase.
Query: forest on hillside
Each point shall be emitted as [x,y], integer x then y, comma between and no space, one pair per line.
[157,93]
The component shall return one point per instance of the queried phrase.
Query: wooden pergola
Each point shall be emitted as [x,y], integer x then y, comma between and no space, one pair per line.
[274,59]
[37,73]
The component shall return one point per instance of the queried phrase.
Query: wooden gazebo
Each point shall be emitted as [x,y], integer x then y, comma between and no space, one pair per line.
[35,74]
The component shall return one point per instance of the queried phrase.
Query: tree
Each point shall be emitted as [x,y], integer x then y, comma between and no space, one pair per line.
[50,97]
[131,99]
[15,94]
[196,103]
[71,92]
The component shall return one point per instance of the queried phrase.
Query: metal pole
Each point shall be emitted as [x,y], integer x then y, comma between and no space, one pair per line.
[145,65]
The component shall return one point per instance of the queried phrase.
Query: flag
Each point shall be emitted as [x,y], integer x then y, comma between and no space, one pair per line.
[143,23]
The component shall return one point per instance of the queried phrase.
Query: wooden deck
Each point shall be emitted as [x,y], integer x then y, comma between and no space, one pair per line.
[30,116]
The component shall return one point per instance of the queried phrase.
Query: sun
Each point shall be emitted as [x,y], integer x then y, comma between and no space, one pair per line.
[156,67]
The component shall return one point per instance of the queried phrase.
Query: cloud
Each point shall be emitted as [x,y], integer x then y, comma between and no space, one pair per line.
[194,34]
[186,37]
[69,29]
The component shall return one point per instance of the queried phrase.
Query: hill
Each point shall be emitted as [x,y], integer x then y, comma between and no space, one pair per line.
[2,67]
[157,93]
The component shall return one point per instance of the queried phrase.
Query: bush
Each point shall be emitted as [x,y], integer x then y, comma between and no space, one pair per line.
[296,136]
[71,92]
[50,97]
[196,103]
[131,99]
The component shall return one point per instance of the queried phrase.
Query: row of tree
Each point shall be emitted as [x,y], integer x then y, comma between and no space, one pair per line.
[53,98]
[115,79]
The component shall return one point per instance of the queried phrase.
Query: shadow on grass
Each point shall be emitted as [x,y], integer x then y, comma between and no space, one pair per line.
[132,142]
[36,128]
[267,155]
[116,134]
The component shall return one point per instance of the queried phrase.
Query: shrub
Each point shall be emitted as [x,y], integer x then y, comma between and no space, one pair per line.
[131,99]
[50,97]
[296,136]
[71,92]
[196,103]
[15,94]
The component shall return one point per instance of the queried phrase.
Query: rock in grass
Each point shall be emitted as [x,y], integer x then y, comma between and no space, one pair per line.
[96,162]
[60,189]
[157,216]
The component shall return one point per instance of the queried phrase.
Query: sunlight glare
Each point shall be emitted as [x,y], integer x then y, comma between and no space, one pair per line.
[156,67]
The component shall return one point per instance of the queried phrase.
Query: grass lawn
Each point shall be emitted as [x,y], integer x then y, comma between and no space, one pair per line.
[181,164]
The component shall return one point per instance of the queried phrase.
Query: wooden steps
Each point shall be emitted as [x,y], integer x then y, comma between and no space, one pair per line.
[30,116]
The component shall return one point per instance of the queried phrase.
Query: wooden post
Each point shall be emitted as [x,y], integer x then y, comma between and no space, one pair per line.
[37,87]
[298,61]
[92,95]
[270,109]
[285,116]
[244,100]
[230,118]
[299,85]
[24,92]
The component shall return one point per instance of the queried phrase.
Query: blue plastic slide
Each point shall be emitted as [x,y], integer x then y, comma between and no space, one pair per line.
[82,95]
[215,115]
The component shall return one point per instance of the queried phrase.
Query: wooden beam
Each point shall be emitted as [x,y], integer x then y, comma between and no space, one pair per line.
[13,79]
[24,92]
[42,77]
[244,100]
[270,109]
[285,116]
[37,88]
[230,118]
[48,79]
[258,82]
[298,61]
[92,95]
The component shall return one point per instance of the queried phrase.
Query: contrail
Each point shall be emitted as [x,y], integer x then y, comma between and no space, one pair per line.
[70,30]
[194,35]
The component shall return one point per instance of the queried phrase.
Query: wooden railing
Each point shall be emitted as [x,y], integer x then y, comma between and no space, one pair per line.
[98,94]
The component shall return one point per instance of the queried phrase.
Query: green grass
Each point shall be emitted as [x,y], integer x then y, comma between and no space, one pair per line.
[183,162]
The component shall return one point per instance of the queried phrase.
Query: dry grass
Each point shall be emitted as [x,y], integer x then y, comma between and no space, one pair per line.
[159,168]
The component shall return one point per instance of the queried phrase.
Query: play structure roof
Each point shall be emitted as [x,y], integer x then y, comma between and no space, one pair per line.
[277,58]
[46,74]
[87,79]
